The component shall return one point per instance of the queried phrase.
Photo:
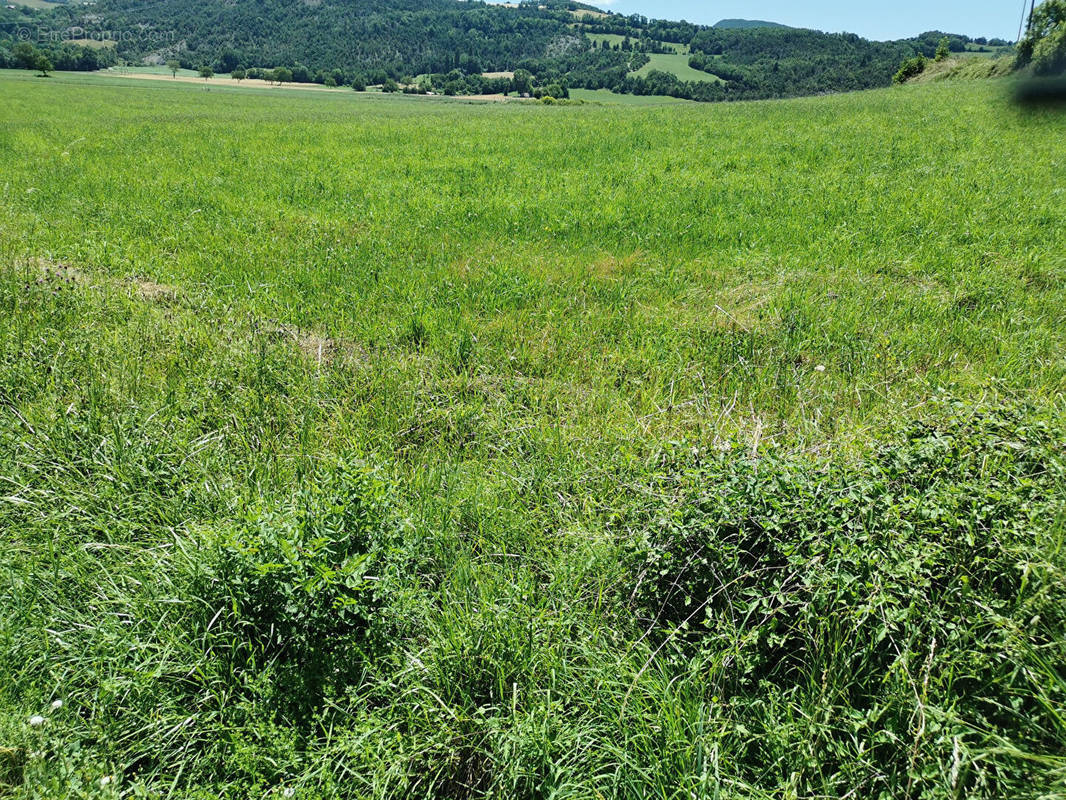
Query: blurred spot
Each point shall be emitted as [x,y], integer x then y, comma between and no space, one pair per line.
[1041,92]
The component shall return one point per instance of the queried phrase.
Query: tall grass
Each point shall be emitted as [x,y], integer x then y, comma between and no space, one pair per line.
[357,447]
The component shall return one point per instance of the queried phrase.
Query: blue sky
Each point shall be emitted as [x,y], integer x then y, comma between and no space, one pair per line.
[885,19]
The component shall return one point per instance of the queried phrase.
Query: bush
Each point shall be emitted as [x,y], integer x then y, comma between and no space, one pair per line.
[930,566]
[306,588]
[1049,38]
[910,68]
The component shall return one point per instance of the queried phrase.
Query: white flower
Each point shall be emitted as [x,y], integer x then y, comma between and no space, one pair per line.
[288,791]
[36,721]
[57,704]
[104,781]
[820,368]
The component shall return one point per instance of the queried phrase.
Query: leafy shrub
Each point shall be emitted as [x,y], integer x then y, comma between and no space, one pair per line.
[307,588]
[910,68]
[929,568]
[943,49]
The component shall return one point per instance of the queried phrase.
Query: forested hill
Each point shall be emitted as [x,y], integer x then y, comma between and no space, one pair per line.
[747,23]
[562,44]
[400,36]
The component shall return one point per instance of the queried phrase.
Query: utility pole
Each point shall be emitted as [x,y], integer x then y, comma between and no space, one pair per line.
[1026,22]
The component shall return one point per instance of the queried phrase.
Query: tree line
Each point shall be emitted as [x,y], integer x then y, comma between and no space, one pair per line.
[64,56]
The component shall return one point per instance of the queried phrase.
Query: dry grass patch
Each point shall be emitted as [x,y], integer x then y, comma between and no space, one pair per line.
[609,265]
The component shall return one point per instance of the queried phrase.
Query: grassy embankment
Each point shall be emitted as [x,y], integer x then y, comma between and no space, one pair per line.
[966,68]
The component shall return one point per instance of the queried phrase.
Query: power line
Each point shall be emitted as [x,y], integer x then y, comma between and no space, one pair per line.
[1022,25]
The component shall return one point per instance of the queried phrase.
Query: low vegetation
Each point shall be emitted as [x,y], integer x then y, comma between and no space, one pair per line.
[966,68]
[358,446]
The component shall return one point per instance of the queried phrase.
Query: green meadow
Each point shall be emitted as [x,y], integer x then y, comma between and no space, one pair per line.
[614,98]
[675,64]
[616,40]
[370,447]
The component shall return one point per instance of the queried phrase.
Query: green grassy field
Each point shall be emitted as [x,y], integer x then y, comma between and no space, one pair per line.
[372,447]
[613,38]
[676,64]
[987,51]
[616,39]
[154,69]
[613,98]
[35,3]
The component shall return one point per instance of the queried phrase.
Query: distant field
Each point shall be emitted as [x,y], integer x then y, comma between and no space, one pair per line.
[32,3]
[226,83]
[99,44]
[615,39]
[219,81]
[607,96]
[367,447]
[161,70]
[678,65]
[985,50]
[580,13]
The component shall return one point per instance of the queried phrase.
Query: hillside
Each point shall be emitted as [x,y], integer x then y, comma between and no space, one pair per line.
[356,446]
[967,68]
[561,44]
[744,24]
[401,37]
